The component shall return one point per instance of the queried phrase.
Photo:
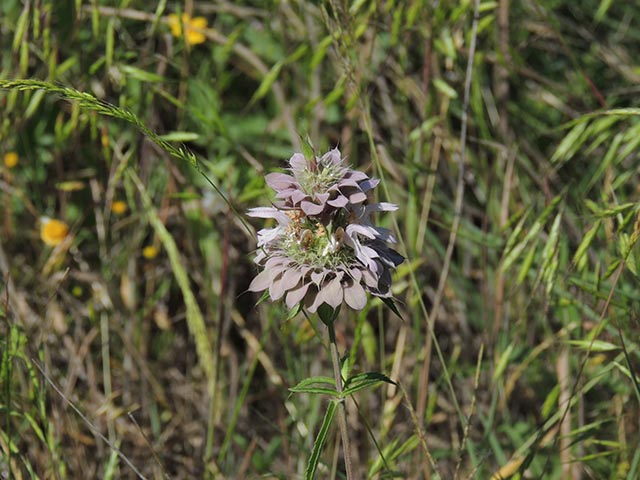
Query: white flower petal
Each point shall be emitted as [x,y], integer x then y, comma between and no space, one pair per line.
[291,278]
[332,293]
[355,296]
[311,208]
[276,289]
[260,282]
[295,296]
[298,162]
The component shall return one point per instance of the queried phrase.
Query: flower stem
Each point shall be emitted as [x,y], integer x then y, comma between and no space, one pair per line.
[342,411]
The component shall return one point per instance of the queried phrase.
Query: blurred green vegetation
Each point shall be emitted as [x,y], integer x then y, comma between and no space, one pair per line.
[132,344]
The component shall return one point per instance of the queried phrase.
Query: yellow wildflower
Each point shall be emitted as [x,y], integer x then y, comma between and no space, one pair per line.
[193,35]
[149,252]
[53,232]
[10,159]
[118,207]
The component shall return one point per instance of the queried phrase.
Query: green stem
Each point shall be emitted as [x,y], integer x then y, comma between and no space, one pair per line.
[342,411]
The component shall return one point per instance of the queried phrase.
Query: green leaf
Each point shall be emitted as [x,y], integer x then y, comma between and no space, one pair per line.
[263,297]
[294,311]
[526,264]
[585,244]
[185,196]
[632,372]
[503,362]
[622,112]
[312,464]
[570,143]
[606,161]
[487,6]
[34,103]
[625,370]
[316,385]
[517,230]
[369,342]
[267,82]
[515,252]
[320,51]
[297,54]
[607,212]
[364,380]
[550,403]
[602,10]
[110,41]
[180,137]
[307,147]
[34,425]
[355,6]
[392,451]
[337,92]
[594,346]
[21,26]
[610,269]
[549,258]
[444,88]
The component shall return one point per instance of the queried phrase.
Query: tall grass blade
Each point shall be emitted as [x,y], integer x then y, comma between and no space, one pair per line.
[312,464]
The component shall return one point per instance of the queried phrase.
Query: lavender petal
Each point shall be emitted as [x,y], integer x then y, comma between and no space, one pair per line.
[311,208]
[355,296]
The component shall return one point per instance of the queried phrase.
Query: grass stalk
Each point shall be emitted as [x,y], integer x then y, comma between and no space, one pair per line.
[342,411]
[106,372]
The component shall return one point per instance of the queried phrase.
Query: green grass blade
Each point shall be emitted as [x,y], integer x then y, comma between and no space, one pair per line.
[195,319]
[312,464]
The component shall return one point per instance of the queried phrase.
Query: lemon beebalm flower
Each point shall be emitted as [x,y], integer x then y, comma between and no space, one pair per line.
[150,252]
[192,26]
[119,207]
[10,159]
[324,249]
[52,231]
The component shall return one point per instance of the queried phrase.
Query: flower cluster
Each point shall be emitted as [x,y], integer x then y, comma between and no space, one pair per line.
[324,248]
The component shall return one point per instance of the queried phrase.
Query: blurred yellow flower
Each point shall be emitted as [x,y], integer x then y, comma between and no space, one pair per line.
[53,232]
[192,25]
[118,207]
[10,159]
[149,252]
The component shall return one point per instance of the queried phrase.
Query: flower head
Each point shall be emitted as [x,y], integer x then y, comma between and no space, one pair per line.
[119,207]
[324,248]
[150,252]
[193,26]
[52,231]
[10,159]
[320,185]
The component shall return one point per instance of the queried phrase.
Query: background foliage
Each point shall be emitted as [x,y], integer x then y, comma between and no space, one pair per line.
[133,345]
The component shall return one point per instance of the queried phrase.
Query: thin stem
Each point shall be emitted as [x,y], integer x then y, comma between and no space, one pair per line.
[342,411]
